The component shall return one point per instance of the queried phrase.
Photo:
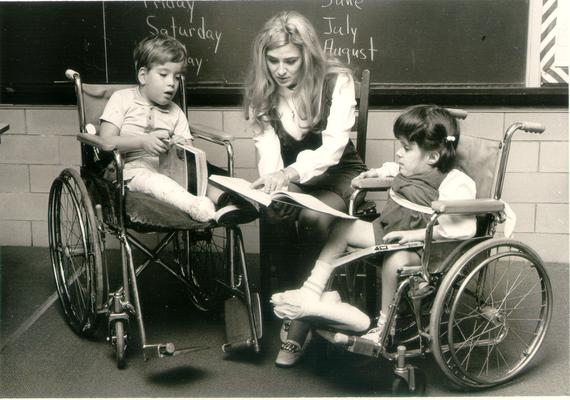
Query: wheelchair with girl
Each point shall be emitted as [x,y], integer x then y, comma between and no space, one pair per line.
[88,206]
[481,306]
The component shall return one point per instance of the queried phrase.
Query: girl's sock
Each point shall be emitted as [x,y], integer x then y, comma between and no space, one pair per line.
[314,286]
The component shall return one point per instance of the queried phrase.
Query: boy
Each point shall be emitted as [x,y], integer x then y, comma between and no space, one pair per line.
[139,120]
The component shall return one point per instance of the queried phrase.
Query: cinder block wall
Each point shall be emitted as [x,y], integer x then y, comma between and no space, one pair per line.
[41,142]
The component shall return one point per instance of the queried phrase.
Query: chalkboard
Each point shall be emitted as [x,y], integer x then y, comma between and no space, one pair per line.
[419,43]
[401,41]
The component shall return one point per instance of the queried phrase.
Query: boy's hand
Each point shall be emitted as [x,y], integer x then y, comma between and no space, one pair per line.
[154,144]
[179,139]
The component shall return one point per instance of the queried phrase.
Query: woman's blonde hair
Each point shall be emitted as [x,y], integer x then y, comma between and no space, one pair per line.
[261,91]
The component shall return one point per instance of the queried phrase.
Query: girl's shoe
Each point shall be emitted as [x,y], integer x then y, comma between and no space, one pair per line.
[375,333]
[291,352]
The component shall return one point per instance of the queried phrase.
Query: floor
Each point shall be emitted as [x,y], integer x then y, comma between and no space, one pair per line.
[41,357]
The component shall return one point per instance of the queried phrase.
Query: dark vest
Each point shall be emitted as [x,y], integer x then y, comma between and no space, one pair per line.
[290,148]
[421,189]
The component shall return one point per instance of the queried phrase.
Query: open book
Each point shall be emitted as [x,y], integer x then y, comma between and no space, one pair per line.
[243,188]
[187,166]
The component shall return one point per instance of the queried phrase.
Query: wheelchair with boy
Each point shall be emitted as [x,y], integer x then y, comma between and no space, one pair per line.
[86,207]
[481,306]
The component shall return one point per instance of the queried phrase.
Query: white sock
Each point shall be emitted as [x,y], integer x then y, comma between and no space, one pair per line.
[320,275]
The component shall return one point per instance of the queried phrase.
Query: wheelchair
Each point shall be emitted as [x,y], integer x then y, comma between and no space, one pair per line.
[481,306]
[86,207]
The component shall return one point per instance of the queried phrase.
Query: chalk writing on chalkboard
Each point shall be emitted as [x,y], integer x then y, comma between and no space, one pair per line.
[362,46]
[183,25]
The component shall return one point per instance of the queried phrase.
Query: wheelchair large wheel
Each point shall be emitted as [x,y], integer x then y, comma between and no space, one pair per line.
[209,255]
[75,251]
[491,313]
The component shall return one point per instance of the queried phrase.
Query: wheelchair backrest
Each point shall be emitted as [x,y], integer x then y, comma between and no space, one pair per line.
[479,158]
[95,98]
[91,101]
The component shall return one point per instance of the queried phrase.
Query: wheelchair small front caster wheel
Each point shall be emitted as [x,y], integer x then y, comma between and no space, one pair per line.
[120,344]
[415,386]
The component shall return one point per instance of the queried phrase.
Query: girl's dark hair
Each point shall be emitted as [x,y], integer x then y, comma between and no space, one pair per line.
[433,128]
[158,49]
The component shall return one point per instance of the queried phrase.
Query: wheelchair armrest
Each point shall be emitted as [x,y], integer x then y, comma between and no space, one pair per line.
[96,141]
[372,184]
[210,134]
[473,207]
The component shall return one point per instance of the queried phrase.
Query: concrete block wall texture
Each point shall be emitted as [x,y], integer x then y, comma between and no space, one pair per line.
[41,142]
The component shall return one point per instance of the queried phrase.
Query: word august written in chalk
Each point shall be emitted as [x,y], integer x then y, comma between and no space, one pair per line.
[341,28]
[187,30]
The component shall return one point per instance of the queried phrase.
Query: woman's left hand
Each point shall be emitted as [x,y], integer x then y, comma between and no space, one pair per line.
[271,182]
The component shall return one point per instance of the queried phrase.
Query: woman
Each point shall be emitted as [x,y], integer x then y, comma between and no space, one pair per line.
[301,110]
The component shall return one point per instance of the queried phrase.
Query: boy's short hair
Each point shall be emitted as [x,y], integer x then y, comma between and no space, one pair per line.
[158,49]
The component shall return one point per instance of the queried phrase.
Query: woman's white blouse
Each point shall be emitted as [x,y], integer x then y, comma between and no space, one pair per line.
[311,163]
[455,186]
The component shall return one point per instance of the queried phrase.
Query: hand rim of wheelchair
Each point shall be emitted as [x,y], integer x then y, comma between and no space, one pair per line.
[455,287]
[79,304]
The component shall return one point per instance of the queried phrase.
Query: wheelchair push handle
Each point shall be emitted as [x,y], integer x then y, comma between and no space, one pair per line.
[532,127]
[457,113]
[71,74]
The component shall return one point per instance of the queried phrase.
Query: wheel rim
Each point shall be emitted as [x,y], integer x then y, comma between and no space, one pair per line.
[209,258]
[73,250]
[498,314]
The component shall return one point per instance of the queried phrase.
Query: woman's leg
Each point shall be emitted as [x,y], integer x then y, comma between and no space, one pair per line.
[314,229]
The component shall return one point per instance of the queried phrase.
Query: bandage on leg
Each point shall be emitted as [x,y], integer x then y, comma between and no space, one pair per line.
[165,189]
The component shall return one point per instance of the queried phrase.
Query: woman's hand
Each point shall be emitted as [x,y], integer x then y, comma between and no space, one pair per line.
[371,173]
[402,237]
[272,182]
[154,143]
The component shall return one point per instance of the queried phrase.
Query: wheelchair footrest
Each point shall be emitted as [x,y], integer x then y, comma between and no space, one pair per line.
[167,350]
[355,344]
[241,345]
[239,332]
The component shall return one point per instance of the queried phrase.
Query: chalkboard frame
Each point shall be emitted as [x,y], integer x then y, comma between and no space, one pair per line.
[31,91]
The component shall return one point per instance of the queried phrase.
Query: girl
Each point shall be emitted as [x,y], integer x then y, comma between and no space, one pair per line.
[423,172]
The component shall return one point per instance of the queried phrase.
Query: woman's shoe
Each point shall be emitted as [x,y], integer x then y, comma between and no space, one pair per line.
[291,352]
[284,330]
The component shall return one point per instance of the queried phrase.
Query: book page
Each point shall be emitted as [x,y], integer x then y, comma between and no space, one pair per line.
[196,168]
[242,187]
[172,163]
[308,201]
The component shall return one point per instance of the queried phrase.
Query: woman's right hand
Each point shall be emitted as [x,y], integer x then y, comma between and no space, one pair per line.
[371,173]
[272,182]
[154,144]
